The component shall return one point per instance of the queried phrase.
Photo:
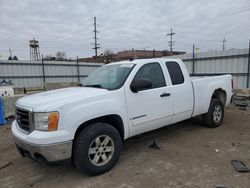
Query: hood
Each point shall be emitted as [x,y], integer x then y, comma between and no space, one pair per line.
[45,100]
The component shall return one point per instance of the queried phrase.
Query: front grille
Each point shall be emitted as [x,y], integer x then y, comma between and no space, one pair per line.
[22,118]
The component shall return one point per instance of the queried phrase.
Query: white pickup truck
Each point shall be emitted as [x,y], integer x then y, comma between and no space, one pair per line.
[88,124]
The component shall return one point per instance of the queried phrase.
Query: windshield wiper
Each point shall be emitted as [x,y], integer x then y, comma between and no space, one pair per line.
[94,85]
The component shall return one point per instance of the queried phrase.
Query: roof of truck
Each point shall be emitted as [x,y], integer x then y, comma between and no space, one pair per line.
[142,61]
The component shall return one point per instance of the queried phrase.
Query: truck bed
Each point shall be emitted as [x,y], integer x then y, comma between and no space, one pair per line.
[203,87]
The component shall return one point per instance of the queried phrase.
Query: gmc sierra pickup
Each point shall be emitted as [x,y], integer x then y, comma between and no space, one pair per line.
[88,124]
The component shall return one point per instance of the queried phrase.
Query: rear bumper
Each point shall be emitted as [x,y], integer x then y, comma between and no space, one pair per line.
[46,153]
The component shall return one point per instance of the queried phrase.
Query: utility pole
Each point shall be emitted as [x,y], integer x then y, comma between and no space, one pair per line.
[193,65]
[171,42]
[96,45]
[224,44]
[248,67]
[10,53]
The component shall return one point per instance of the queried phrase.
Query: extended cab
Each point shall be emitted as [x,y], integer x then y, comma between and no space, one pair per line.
[88,124]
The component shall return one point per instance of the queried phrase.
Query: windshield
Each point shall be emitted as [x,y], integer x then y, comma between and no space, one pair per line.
[109,77]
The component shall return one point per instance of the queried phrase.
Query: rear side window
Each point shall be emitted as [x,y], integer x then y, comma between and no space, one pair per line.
[175,73]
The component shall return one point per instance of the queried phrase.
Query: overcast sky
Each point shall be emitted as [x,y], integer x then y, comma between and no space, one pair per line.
[64,25]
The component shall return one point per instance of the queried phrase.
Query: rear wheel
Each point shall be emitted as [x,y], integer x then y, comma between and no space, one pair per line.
[97,148]
[215,114]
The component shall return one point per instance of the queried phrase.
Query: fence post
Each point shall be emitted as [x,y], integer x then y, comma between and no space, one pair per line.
[193,61]
[2,116]
[78,70]
[248,66]
[43,73]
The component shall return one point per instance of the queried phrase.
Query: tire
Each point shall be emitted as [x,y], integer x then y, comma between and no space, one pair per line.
[215,115]
[92,145]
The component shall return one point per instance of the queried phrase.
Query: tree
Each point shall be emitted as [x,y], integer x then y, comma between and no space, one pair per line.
[108,56]
[49,58]
[15,58]
[60,55]
[10,58]
[108,52]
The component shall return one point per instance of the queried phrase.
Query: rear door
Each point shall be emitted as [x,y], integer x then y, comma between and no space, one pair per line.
[182,90]
[150,108]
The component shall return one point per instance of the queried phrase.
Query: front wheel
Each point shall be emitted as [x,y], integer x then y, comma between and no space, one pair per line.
[97,148]
[215,114]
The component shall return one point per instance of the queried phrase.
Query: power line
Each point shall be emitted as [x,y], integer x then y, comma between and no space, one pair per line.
[96,45]
[224,44]
[171,42]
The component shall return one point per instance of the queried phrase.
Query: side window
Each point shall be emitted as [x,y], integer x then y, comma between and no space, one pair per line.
[175,73]
[153,72]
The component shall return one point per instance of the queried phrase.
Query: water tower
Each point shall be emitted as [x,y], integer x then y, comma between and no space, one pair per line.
[34,50]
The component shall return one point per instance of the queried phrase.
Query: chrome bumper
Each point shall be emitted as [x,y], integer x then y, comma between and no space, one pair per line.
[51,153]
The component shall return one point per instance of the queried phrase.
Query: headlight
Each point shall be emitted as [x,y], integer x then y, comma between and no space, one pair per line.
[46,121]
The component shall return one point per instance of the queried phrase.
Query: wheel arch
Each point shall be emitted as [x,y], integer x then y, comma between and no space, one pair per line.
[220,94]
[112,119]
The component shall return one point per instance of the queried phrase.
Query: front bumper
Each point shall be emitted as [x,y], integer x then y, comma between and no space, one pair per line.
[47,153]
[42,145]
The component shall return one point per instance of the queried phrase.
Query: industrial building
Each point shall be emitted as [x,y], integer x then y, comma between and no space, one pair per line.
[130,54]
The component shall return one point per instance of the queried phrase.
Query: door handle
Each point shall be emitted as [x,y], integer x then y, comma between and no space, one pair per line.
[165,95]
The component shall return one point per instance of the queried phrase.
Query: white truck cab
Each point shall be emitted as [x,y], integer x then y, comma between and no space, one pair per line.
[119,100]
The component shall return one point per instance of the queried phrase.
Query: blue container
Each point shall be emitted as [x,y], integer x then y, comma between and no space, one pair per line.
[2,118]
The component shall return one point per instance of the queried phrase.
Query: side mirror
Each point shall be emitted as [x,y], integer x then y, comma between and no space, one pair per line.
[140,85]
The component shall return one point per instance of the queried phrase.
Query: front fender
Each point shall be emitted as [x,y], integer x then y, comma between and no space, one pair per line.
[75,114]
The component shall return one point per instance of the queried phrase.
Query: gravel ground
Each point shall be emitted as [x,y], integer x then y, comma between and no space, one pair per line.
[190,155]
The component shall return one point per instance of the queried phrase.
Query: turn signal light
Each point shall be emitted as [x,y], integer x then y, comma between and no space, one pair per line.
[53,121]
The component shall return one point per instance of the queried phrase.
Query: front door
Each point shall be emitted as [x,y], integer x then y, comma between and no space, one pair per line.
[150,108]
